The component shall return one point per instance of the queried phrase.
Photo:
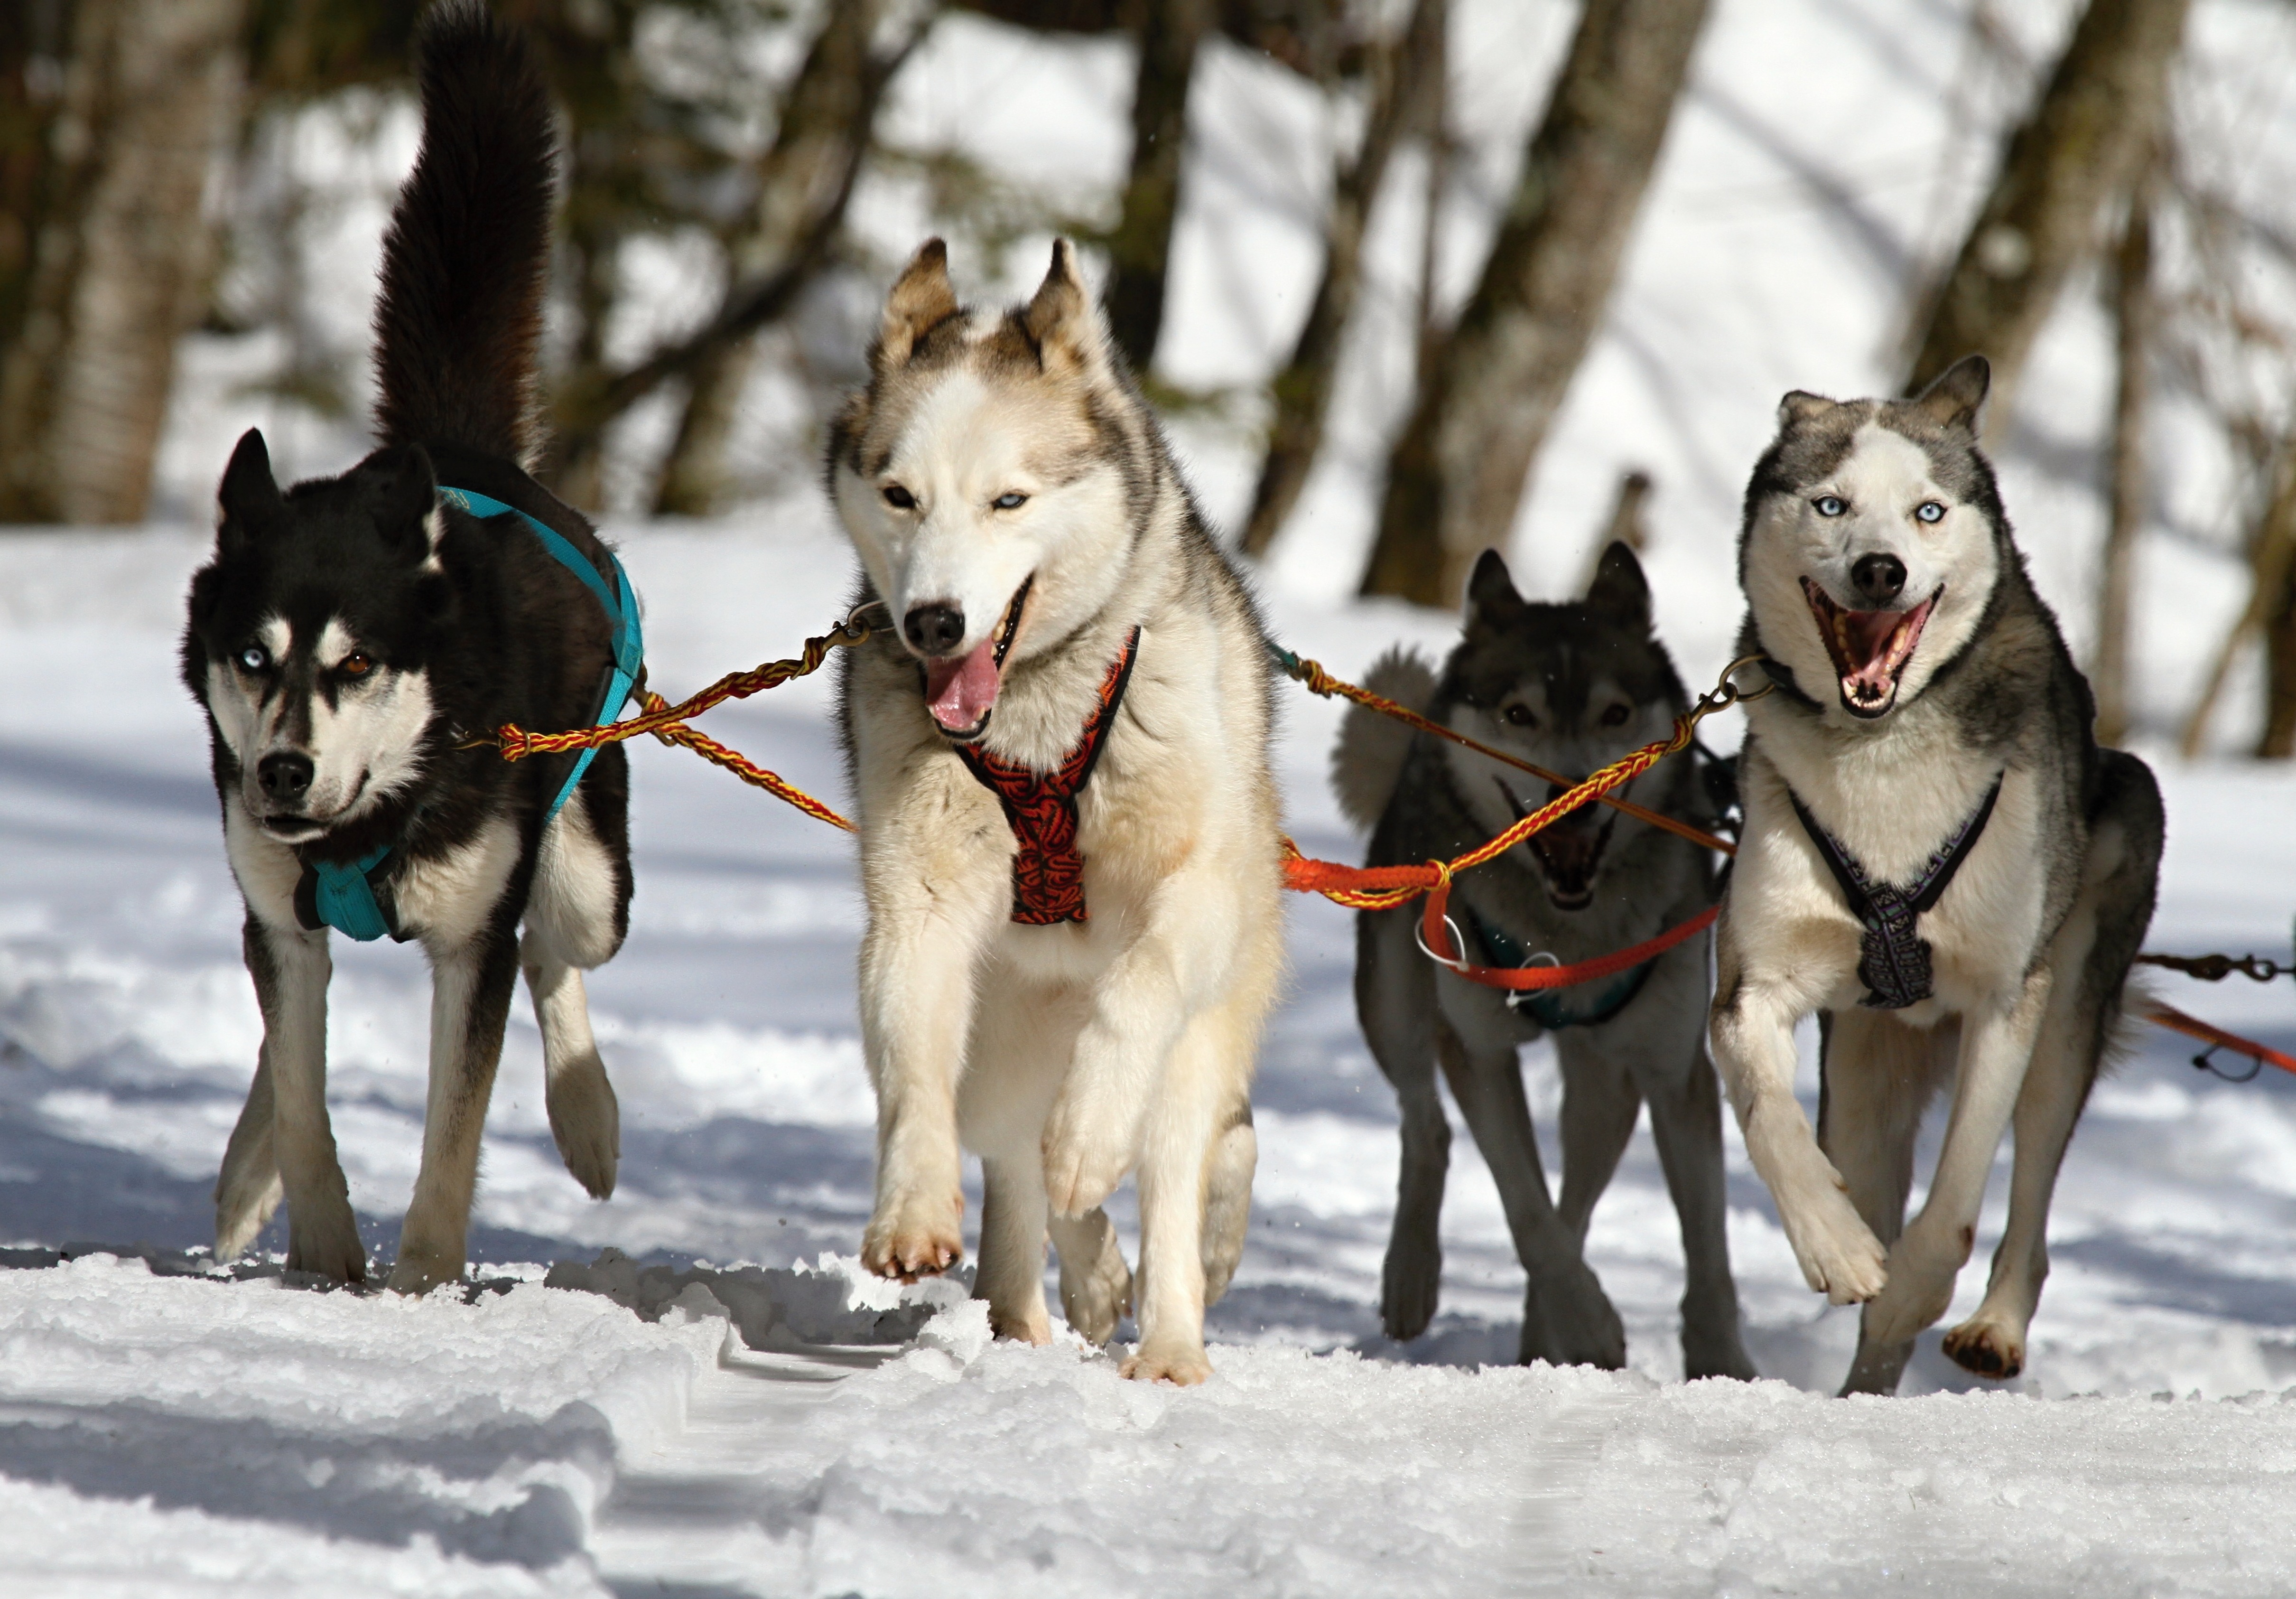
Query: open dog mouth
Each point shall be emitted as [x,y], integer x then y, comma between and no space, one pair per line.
[1870,648]
[1568,849]
[960,690]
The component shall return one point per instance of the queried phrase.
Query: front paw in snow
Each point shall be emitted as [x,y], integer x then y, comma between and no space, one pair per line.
[914,1235]
[323,1237]
[1087,1149]
[1182,1364]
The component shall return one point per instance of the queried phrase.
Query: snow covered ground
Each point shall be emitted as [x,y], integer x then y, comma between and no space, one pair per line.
[787,1428]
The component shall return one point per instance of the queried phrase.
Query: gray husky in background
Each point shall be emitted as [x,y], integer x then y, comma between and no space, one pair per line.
[1072,666]
[1937,856]
[1570,688]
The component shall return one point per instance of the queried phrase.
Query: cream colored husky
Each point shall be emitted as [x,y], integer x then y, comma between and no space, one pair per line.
[1069,830]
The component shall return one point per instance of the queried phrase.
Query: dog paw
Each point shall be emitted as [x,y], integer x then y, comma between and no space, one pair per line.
[1183,1365]
[242,1210]
[585,1120]
[1714,1351]
[1987,1349]
[1086,1156]
[324,1239]
[1573,1321]
[1030,1326]
[418,1272]
[1096,1285]
[1839,1254]
[1410,1285]
[914,1237]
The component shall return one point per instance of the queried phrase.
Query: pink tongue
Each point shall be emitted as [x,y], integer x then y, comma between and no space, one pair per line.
[959,693]
[1869,634]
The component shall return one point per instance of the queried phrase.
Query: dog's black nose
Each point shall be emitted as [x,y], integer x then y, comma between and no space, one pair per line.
[933,630]
[1879,578]
[285,776]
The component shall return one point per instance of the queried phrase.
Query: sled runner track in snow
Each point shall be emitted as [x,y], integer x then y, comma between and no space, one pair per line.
[1360,888]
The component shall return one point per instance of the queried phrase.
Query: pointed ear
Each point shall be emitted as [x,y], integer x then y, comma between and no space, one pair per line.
[249,496]
[401,491]
[1063,318]
[1955,398]
[1620,591]
[1491,595]
[1801,405]
[920,301]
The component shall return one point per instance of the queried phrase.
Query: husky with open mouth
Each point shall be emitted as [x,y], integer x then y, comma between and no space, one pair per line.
[1068,827]
[352,641]
[1569,687]
[1938,857]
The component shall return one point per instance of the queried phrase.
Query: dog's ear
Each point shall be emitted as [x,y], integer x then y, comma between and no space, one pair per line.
[1619,592]
[920,300]
[1955,398]
[1491,594]
[401,493]
[1801,406]
[1063,320]
[249,496]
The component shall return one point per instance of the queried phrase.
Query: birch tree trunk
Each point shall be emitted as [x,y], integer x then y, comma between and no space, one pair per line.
[114,249]
[1457,475]
[2082,146]
[1401,91]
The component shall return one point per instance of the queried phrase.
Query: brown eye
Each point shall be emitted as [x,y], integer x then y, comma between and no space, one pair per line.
[1616,716]
[354,665]
[899,498]
[1520,716]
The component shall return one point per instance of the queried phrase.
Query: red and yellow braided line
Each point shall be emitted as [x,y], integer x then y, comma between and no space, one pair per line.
[739,764]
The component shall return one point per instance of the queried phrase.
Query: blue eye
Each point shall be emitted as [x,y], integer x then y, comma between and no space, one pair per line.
[1930,510]
[1831,505]
[254,658]
[1009,501]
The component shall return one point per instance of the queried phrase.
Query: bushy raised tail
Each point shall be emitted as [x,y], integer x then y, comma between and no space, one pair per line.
[464,262]
[1368,758]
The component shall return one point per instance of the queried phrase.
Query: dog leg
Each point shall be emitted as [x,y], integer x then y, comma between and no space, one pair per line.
[1011,1274]
[291,970]
[248,1189]
[1685,1108]
[1228,1167]
[1095,1284]
[1567,1319]
[469,1003]
[1996,1050]
[1600,1103]
[585,1119]
[1751,1034]
[1395,1001]
[1878,1077]
[1177,1154]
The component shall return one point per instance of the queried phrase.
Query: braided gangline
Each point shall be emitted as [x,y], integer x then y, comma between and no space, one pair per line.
[738,763]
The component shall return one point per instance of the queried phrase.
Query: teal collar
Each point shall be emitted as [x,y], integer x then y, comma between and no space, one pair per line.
[346,896]
[1545,1006]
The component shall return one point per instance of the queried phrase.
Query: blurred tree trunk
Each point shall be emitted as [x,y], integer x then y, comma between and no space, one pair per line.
[1457,475]
[1404,73]
[2271,606]
[2133,318]
[2081,147]
[1168,33]
[103,257]
[798,179]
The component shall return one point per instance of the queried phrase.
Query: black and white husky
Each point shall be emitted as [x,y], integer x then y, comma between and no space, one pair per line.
[351,641]
[1571,687]
[1938,857]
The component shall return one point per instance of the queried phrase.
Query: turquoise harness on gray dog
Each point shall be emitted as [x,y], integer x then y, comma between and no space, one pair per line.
[342,895]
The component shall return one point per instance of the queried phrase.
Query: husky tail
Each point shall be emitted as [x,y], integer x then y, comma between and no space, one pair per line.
[464,262]
[1368,759]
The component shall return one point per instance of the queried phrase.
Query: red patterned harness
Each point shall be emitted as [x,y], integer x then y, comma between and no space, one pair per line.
[1048,869]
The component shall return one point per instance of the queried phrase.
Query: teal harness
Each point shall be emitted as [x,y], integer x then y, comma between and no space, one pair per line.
[1544,1006]
[342,895]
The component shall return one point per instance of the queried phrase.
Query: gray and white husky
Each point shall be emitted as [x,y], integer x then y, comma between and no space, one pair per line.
[1937,856]
[1570,688]
[1068,824]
